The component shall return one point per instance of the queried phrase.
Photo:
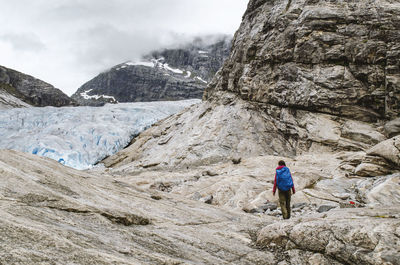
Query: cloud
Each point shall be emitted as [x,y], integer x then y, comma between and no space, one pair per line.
[71,41]
[23,42]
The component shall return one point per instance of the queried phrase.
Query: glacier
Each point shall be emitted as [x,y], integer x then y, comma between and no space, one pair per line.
[79,137]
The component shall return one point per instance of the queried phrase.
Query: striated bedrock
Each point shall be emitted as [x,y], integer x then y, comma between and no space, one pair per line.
[351,236]
[52,214]
[211,132]
[8,101]
[30,90]
[336,57]
[94,217]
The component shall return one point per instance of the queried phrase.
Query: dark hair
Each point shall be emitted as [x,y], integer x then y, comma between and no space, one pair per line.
[281,163]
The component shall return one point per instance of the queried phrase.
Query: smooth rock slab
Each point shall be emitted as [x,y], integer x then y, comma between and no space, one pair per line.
[346,236]
[51,214]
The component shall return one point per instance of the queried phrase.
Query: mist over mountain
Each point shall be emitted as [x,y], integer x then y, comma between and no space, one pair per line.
[169,74]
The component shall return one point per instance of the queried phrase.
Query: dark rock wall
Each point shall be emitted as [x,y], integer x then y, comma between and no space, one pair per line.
[31,90]
[141,83]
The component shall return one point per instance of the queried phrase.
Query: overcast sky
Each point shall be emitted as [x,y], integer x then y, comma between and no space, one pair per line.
[68,42]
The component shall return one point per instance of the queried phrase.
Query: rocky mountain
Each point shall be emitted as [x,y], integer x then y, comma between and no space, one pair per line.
[170,74]
[18,89]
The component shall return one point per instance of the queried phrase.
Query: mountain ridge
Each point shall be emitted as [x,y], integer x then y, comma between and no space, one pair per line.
[169,74]
[31,90]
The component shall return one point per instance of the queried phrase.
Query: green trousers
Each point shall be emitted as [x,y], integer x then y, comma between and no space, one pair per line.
[284,201]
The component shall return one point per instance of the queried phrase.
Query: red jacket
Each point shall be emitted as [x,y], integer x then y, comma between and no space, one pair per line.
[274,189]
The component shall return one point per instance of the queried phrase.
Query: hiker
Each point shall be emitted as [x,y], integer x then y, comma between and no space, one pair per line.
[284,181]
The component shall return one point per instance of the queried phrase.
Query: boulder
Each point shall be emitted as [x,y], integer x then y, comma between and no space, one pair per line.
[349,236]
[325,208]
[392,128]
[268,206]
[389,150]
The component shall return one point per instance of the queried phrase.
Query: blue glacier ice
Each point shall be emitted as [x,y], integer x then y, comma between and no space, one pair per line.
[79,137]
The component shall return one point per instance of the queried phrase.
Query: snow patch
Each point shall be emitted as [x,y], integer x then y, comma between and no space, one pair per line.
[174,70]
[86,96]
[201,79]
[148,64]
[188,74]
[203,52]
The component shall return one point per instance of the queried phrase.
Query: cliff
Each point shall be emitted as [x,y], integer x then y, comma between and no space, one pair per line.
[335,57]
[30,90]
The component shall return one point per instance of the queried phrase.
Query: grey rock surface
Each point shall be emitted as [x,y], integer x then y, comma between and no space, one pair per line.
[392,128]
[53,214]
[351,236]
[30,90]
[334,57]
[325,208]
[170,74]
[8,101]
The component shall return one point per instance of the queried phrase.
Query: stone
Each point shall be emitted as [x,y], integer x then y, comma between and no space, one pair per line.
[381,159]
[374,166]
[8,101]
[380,190]
[208,199]
[325,208]
[299,205]
[351,236]
[342,196]
[361,132]
[392,128]
[389,150]
[268,206]
[210,173]
[236,160]
[196,196]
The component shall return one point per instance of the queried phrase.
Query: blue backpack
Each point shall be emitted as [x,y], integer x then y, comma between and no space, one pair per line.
[284,179]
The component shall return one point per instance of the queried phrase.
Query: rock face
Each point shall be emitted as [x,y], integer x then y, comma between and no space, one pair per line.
[8,101]
[171,74]
[334,57]
[30,90]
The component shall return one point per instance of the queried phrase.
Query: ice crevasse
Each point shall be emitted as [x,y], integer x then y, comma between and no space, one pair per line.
[79,137]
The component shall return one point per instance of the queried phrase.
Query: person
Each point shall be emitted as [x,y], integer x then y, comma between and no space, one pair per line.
[284,182]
